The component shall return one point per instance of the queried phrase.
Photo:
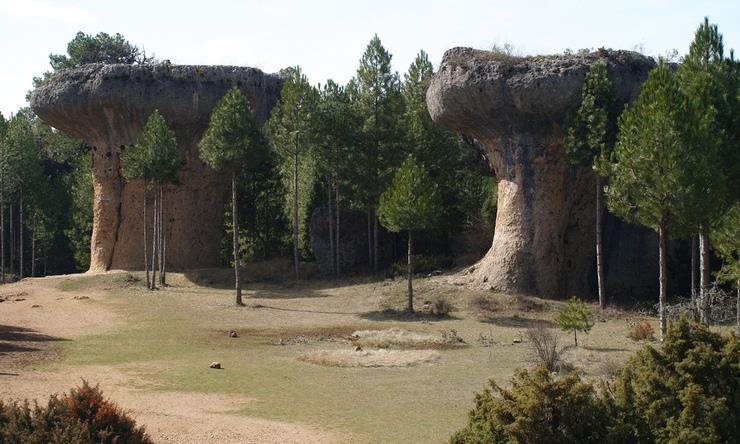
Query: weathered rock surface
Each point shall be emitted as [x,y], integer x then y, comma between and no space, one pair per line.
[107,106]
[514,108]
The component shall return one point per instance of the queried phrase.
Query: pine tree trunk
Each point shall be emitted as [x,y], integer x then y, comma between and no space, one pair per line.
[2,236]
[296,264]
[159,233]
[375,242]
[599,244]
[332,261]
[235,240]
[154,241]
[163,235]
[20,235]
[33,250]
[575,337]
[704,278]
[12,240]
[410,304]
[369,237]
[693,270]
[146,252]
[337,234]
[663,266]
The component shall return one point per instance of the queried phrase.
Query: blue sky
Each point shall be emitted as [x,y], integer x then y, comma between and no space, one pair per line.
[327,37]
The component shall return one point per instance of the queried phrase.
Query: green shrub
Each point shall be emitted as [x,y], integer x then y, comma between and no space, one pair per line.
[688,391]
[537,409]
[81,417]
[575,316]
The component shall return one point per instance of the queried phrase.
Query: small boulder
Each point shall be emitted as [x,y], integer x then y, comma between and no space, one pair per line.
[358,349]
[216,365]
[233,334]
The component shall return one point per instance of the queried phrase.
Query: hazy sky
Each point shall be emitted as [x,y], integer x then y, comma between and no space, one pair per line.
[328,37]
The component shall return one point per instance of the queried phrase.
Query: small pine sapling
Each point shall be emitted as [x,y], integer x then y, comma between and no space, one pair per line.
[575,316]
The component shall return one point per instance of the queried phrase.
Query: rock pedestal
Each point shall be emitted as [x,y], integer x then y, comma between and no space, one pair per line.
[515,109]
[107,106]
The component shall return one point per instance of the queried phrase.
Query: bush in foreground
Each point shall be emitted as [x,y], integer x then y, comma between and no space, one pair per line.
[83,416]
[688,391]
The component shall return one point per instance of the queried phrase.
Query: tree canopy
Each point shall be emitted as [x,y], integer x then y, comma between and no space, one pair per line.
[99,48]
[411,202]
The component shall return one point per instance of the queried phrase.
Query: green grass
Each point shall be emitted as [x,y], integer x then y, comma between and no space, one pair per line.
[172,335]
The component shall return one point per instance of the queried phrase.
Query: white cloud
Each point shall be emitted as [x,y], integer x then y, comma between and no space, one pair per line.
[39,9]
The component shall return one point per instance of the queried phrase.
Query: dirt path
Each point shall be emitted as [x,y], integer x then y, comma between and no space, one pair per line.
[35,316]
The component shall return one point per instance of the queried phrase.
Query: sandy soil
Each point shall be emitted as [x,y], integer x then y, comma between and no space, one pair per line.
[35,316]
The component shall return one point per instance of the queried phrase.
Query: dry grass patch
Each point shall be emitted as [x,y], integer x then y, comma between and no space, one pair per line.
[370,358]
[400,338]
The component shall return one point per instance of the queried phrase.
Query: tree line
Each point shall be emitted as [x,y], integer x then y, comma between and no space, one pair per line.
[671,160]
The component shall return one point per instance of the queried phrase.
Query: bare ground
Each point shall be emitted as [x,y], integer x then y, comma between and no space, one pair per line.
[35,316]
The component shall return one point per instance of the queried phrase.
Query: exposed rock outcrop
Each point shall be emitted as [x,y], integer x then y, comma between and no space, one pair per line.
[515,108]
[107,106]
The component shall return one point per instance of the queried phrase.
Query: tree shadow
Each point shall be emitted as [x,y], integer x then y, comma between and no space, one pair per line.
[283,293]
[14,339]
[14,333]
[518,322]
[403,316]
[297,310]
[257,274]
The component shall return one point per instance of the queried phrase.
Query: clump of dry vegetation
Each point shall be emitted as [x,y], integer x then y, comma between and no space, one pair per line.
[544,343]
[400,338]
[642,331]
[370,358]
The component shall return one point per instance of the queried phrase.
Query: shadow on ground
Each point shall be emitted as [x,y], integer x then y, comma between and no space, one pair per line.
[403,316]
[518,322]
[17,344]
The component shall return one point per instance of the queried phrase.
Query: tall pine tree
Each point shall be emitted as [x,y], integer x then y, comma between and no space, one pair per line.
[380,104]
[649,182]
[589,142]
[709,83]
[292,130]
[227,145]
[410,203]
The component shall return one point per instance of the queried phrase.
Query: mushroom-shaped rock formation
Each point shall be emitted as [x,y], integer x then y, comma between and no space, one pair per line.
[107,106]
[515,108]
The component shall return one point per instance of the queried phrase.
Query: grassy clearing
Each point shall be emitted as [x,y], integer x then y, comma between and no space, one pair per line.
[408,393]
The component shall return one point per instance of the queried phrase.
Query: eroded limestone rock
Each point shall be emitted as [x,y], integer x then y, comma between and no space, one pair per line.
[515,109]
[107,106]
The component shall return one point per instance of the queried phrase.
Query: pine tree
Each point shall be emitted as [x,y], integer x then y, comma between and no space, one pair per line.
[380,105]
[709,83]
[589,141]
[410,203]
[155,160]
[461,187]
[292,131]
[337,139]
[725,237]
[228,144]
[20,168]
[574,317]
[649,179]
